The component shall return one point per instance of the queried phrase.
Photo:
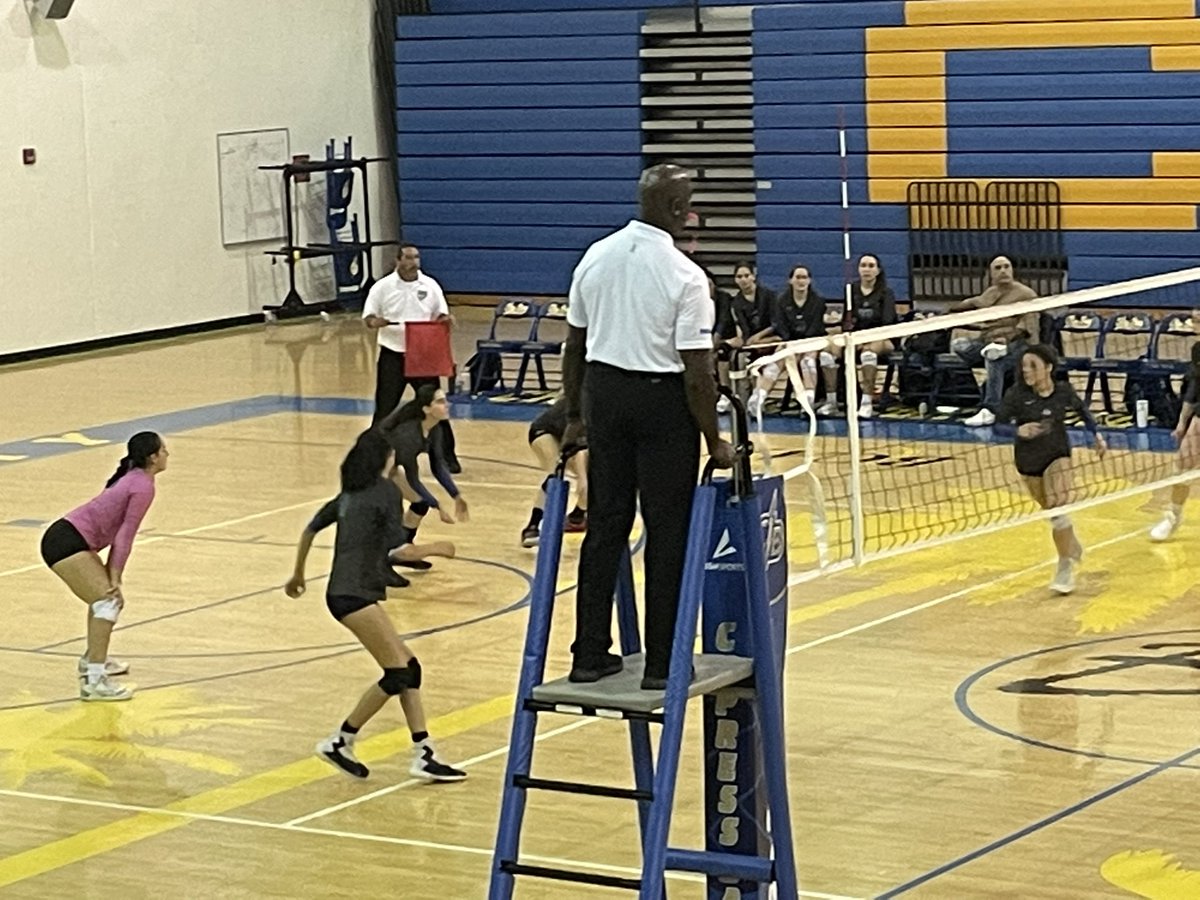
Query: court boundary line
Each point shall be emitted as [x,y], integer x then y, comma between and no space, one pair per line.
[807,645]
[1044,822]
[363,836]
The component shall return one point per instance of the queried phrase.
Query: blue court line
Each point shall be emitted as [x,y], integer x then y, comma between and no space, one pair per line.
[1040,824]
[963,702]
[174,422]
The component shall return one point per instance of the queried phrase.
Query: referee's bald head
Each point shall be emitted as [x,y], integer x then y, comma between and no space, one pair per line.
[665,195]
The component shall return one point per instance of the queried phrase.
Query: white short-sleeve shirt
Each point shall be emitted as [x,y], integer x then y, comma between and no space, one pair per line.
[641,300]
[401,301]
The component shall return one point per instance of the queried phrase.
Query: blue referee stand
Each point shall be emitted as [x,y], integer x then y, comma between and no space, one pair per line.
[736,571]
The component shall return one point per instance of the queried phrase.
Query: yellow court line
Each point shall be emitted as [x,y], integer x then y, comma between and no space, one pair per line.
[102,839]
[255,788]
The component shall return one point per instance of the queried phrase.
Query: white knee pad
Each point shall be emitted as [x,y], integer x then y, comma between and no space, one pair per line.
[868,358]
[1059,523]
[827,360]
[808,365]
[107,609]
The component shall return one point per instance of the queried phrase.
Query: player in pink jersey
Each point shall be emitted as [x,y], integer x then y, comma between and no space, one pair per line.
[71,548]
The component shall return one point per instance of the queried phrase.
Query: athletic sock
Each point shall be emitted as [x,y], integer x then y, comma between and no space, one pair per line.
[420,737]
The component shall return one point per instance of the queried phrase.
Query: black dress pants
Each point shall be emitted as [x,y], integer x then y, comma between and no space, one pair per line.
[642,444]
[390,382]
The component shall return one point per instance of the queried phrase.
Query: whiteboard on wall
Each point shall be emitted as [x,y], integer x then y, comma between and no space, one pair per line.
[251,199]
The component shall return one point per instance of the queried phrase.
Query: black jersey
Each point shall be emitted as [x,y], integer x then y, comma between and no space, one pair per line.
[1022,405]
[870,310]
[736,314]
[368,526]
[791,322]
[552,421]
[409,441]
[1191,387]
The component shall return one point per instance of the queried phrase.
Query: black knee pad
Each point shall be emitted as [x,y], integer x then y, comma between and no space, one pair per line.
[396,681]
[418,509]
[724,353]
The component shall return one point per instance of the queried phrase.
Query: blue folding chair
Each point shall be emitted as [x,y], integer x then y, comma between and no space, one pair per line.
[1077,337]
[513,328]
[1125,346]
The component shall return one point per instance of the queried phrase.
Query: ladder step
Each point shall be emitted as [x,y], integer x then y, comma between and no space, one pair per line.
[622,693]
[516,868]
[528,783]
[731,865]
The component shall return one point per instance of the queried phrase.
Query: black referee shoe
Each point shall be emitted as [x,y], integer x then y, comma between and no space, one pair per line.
[420,565]
[654,683]
[587,672]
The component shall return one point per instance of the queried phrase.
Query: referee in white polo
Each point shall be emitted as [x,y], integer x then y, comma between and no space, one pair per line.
[641,335]
[406,295]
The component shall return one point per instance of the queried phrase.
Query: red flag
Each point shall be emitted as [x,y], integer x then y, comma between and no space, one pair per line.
[427,350]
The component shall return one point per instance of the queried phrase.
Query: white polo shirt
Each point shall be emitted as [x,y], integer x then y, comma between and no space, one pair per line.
[641,300]
[401,301]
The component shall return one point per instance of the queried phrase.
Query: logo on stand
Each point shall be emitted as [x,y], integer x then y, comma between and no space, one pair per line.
[724,549]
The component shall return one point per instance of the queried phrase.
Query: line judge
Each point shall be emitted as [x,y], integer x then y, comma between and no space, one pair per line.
[641,325]
[406,295]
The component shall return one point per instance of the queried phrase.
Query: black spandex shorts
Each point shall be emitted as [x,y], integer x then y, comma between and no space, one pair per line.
[61,540]
[538,428]
[341,606]
[1036,468]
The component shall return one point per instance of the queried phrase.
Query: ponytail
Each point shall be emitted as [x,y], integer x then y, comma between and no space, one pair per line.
[123,468]
[138,451]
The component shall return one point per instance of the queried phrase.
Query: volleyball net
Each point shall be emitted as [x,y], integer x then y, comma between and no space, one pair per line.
[909,472]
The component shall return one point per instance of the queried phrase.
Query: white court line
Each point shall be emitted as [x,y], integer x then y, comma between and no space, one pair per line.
[808,645]
[465,764]
[961,592]
[188,531]
[368,838]
[478,851]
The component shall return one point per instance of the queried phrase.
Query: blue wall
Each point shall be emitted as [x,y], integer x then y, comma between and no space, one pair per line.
[520,142]
[520,129]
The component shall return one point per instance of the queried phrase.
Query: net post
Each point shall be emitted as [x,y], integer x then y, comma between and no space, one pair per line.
[853,425]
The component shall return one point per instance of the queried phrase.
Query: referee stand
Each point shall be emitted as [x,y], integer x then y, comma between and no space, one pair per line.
[749,831]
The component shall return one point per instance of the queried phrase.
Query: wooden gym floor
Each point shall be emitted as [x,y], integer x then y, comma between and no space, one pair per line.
[955,731]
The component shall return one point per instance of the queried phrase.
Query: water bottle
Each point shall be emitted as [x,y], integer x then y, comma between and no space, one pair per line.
[1142,413]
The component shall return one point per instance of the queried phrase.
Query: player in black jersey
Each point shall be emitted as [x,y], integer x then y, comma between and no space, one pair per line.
[367,515]
[545,439]
[1037,405]
[799,312]
[872,305]
[412,429]
[1187,434]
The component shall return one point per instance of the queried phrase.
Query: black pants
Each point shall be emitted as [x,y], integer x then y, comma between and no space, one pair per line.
[642,444]
[390,382]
